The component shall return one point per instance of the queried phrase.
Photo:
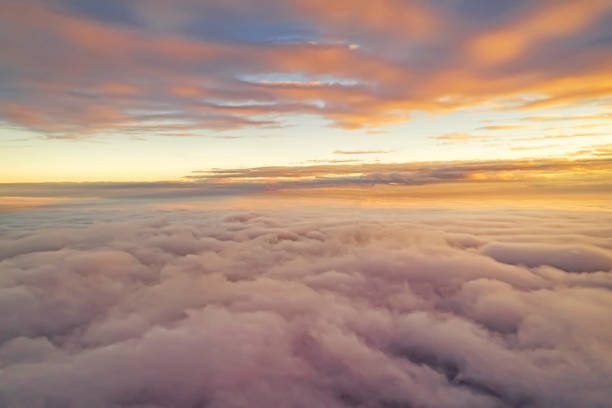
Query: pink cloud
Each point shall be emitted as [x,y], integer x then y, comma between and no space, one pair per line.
[325,307]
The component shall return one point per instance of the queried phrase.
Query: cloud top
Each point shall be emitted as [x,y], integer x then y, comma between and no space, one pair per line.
[324,308]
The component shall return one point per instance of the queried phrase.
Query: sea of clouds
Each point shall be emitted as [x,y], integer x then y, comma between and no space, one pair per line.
[315,308]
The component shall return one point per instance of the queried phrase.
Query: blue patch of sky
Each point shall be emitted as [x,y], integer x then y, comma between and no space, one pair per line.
[485,10]
[108,11]
[217,23]
[298,77]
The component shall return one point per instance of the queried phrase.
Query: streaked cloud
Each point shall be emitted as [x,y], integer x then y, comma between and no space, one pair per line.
[459,137]
[590,168]
[563,136]
[404,173]
[504,127]
[529,28]
[149,67]
[601,150]
[579,126]
[536,147]
[543,118]
[359,152]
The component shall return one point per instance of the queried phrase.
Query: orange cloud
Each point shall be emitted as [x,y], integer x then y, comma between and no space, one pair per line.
[458,137]
[186,91]
[503,127]
[543,21]
[542,118]
[144,74]
[119,88]
[357,152]
[412,173]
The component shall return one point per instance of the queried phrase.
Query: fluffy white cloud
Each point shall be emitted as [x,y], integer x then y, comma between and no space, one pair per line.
[321,308]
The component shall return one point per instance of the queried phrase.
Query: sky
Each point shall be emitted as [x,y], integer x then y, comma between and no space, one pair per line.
[144,91]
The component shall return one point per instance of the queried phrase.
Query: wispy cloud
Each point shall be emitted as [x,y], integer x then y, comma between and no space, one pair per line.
[543,118]
[333,161]
[595,168]
[563,136]
[401,173]
[459,137]
[580,126]
[504,127]
[600,150]
[537,147]
[359,152]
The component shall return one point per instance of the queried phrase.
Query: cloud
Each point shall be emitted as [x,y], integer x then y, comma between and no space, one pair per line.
[458,137]
[328,308]
[522,178]
[601,150]
[151,67]
[357,152]
[566,257]
[563,136]
[333,161]
[503,127]
[522,148]
[581,126]
[414,173]
[541,118]
[546,19]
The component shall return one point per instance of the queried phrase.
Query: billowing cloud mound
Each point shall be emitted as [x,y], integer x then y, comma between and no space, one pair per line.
[357,308]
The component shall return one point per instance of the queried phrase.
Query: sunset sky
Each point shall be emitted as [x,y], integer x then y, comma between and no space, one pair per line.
[147,90]
[305,203]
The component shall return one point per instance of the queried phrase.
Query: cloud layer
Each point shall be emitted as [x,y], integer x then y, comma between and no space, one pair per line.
[72,69]
[580,179]
[317,308]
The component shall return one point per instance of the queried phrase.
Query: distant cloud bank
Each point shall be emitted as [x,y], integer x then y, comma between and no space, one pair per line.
[520,178]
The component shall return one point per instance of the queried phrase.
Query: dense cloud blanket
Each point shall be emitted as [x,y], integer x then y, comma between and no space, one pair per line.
[335,308]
